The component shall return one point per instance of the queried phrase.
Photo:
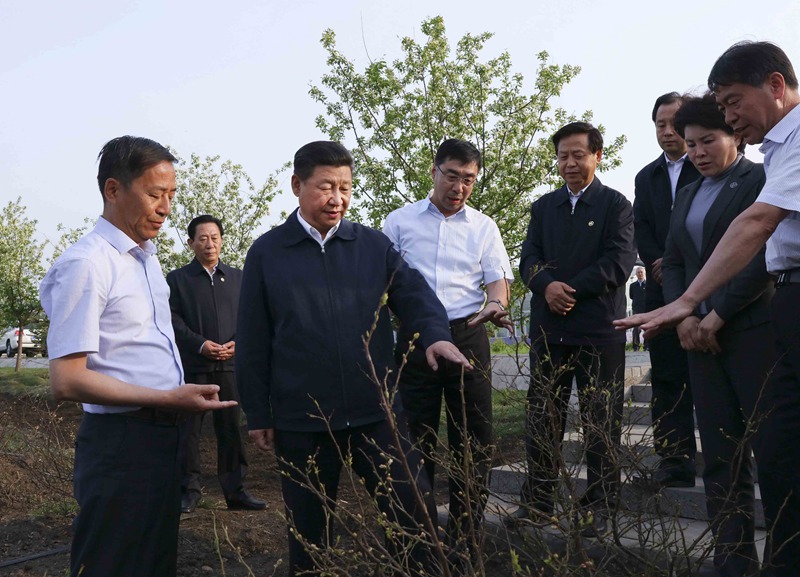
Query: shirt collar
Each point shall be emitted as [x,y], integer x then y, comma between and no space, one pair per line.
[313,232]
[675,162]
[427,205]
[785,127]
[119,240]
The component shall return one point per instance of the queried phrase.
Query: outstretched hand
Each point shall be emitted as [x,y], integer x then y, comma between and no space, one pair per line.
[197,398]
[493,313]
[658,320]
[448,351]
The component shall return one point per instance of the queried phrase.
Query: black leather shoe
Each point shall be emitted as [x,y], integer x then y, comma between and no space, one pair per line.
[189,501]
[245,501]
[674,477]
[523,513]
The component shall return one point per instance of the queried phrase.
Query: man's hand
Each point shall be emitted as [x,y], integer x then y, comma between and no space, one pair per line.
[228,350]
[707,333]
[559,297]
[212,350]
[493,313]
[657,276]
[445,350]
[655,321]
[263,438]
[687,333]
[196,398]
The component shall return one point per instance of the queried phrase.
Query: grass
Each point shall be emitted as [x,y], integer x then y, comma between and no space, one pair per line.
[26,382]
[498,347]
[508,414]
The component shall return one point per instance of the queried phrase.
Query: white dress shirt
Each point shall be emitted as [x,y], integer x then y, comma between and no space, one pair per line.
[674,168]
[455,254]
[106,296]
[781,150]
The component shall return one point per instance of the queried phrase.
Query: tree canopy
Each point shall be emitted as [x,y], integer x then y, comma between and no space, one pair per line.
[21,268]
[395,114]
[221,189]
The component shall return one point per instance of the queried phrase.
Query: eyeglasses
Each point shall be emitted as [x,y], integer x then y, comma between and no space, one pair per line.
[452,178]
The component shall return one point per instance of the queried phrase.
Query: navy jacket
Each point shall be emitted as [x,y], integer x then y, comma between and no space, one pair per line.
[637,294]
[652,208]
[202,310]
[591,249]
[743,302]
[304,313]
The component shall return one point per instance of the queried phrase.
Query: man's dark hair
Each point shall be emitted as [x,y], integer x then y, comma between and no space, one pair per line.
[203,219]
[751,63]
[459,150]
[320,153]
[125,158]
[595,138]
[668,98]
[702,111]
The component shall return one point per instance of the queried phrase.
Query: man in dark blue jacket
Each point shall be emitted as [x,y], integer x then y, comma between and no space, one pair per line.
[314,357]
[576,259]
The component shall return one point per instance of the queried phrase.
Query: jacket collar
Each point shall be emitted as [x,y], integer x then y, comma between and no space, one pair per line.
[196,268]
[295,233]
[563,193]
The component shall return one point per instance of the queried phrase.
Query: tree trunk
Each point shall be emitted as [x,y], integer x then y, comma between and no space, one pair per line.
[20,337]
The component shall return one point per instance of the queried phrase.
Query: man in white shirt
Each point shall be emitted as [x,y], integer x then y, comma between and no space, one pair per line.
[112,347]
[756,87]
[460,253]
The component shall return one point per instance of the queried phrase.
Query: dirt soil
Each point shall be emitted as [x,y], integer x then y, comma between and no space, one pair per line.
[36,507]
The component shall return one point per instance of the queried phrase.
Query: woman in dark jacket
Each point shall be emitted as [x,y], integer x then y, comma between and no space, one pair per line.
[728,338]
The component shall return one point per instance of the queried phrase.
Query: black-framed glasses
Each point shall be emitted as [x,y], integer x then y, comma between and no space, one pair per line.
[452,178]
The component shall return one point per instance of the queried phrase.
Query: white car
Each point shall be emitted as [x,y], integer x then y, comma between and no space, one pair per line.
[10,342]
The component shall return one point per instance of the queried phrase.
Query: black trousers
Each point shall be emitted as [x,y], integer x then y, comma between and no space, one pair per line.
[671,406]
[315,459]
[127,485]
[468,412]
[636,338]
[231,458]
[599,372]
[729,394]
[779,467]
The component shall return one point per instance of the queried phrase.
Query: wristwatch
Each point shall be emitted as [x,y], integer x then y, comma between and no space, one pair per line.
[498,303]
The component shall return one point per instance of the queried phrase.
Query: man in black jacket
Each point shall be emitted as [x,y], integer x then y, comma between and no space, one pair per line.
[315,363]
[672,407]
[636,292]
[204,298]
[576,260]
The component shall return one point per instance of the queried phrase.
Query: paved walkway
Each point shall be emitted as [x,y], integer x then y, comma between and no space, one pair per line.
[511,371]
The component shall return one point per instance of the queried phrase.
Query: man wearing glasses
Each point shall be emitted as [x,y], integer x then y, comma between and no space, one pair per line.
[460,253]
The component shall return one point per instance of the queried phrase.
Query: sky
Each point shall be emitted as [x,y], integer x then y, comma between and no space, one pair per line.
[232,79]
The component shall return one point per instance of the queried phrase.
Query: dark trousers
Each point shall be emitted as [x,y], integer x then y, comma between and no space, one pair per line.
[728,390]
[231,458]
[636,338]
[672,408]
[779,467]
[468,412]
[599,372]
[128,488]
[314,459]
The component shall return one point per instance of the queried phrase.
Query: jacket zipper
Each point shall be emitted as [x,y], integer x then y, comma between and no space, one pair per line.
[337,339]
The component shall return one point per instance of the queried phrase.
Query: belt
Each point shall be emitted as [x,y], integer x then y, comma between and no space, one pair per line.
[787,277]
[157,416]
[460,324]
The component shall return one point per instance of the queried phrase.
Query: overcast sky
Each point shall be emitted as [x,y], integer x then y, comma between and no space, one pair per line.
[232,78]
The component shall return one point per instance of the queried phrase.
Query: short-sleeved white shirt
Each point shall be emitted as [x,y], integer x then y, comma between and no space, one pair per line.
[781,150]
[455,254]
[106,296]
